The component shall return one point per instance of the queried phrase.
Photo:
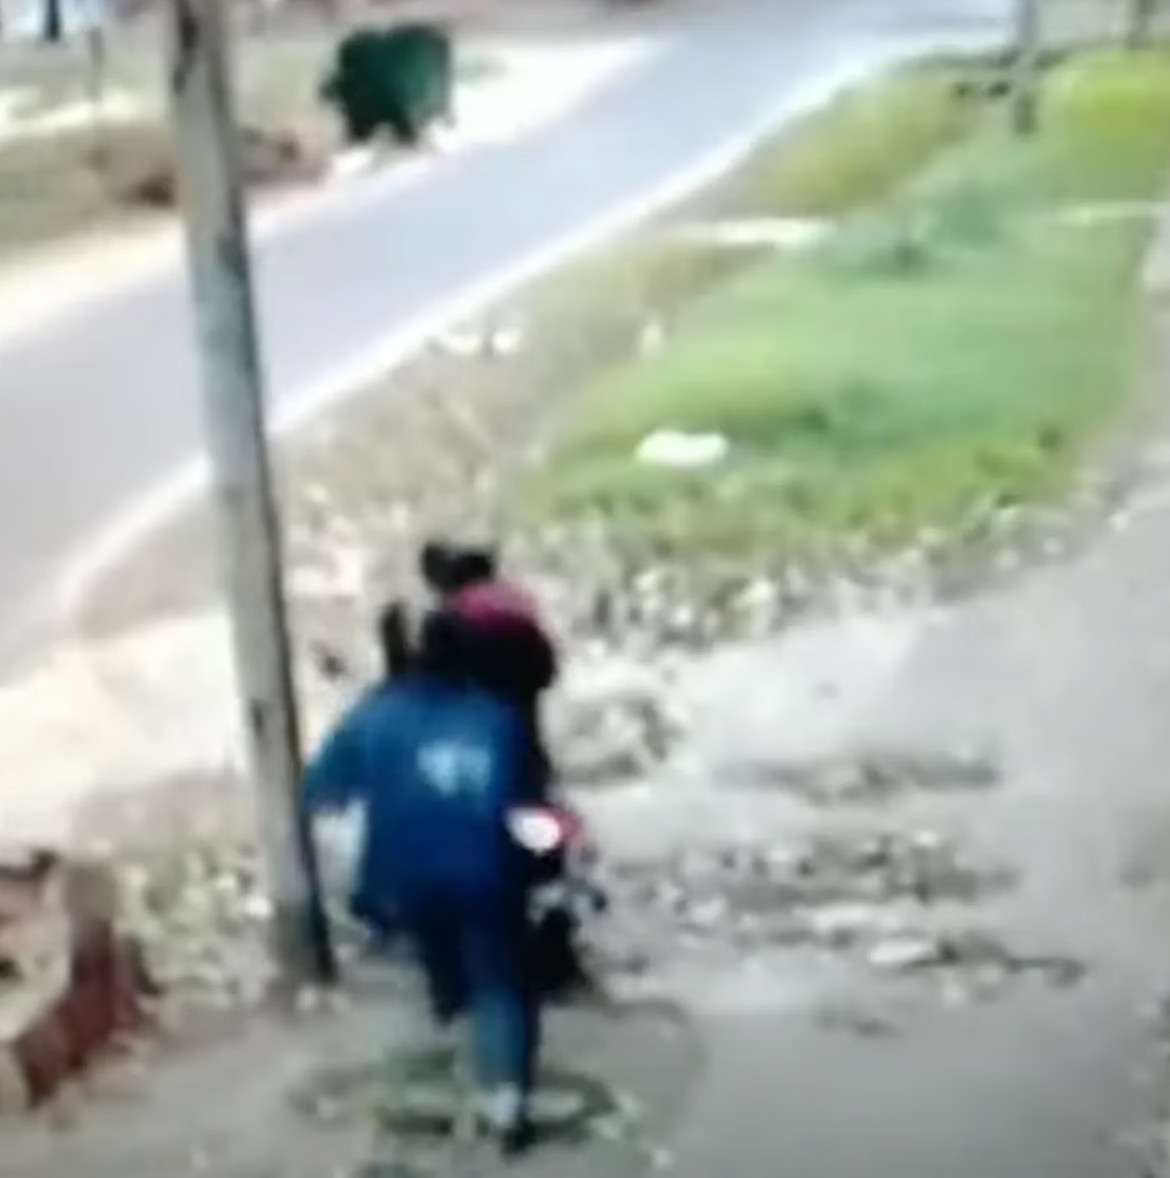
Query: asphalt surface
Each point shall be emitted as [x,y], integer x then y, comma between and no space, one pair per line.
[101,405]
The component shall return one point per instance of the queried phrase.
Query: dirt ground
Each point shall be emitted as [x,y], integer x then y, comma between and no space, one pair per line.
[302,1097]
[905,873]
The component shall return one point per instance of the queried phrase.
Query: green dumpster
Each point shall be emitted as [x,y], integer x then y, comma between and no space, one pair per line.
[398,79]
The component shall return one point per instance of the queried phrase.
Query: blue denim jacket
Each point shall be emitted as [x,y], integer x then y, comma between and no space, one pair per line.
[436,769]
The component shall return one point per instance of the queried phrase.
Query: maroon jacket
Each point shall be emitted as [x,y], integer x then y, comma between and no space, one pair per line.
[495,604]
[518,648]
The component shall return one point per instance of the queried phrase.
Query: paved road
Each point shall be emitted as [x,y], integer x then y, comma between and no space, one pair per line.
[102,406]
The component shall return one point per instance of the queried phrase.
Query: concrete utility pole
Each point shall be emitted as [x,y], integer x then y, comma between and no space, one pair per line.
[207,148]
[1026,68]
[53,22]
[1139,24]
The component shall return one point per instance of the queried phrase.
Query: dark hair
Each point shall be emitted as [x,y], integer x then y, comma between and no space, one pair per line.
[449,568]
[394,640]
[445,649]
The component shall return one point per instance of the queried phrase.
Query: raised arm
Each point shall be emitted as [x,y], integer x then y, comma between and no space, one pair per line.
[335,777]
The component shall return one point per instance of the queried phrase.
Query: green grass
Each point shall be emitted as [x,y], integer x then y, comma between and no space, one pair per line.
[861,147]
[959,344]
[1105,138]
[858,150]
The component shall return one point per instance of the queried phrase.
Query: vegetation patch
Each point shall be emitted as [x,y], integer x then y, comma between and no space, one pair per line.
[959,343]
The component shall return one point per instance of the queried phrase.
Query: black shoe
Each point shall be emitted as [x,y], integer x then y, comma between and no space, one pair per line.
[517,1139]
[505,1115]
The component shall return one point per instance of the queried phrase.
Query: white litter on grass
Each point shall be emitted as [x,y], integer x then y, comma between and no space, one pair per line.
[1109,213]
[789,233]
[682,450]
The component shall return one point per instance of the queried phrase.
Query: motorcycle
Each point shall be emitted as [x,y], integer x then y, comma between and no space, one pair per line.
[565,897]
[565,894]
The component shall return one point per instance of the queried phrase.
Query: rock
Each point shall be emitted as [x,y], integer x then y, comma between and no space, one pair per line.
[856,1021]
[483,342]
[344,577]
[269,159]
[202,918]
[608,1128]
[903,954]
[843,924]
[152,188]
[505,341]
[464,344]
[610,722]
[670,897]
[352,161]
[330,665]
[708,915]
[956,993]
[256,907]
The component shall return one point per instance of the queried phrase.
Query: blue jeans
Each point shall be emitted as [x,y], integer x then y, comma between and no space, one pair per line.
[472,951]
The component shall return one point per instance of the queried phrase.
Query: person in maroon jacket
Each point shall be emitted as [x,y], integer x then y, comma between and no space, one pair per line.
[516,657]
[512,655]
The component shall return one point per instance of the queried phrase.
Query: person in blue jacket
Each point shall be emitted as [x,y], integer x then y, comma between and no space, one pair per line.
[438,764]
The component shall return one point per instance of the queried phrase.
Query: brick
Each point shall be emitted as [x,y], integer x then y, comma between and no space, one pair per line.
[76,984]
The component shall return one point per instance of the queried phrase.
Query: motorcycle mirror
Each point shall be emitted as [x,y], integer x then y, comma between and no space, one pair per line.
[538,831]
